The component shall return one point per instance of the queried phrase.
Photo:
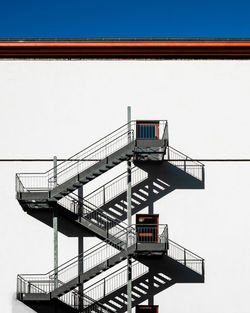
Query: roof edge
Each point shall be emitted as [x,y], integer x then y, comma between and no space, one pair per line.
[127,39]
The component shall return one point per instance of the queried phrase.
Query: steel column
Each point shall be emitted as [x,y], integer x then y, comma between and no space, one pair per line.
[80,248]
[129,216]
[151,211]
[151,276]
[55,228]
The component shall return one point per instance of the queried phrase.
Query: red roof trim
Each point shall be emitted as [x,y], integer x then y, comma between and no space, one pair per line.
[122,50]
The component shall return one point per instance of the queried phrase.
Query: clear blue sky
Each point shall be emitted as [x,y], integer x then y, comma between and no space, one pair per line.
[128,18]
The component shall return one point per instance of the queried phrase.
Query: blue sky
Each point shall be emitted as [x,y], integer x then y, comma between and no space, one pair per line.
[130,18]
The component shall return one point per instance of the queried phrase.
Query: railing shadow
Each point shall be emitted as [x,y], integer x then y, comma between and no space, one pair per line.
[19,307]
[162,274]
[161,179]
[143,289]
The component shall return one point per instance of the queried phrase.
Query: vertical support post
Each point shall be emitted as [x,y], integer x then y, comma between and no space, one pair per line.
[104,198]
[55,229]
[80,249]
[150,195]
[104,287]
[185,257]
[151,211]
[129,216]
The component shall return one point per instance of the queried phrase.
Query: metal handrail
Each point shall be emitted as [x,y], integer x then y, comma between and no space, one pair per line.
[69,298]
[102,283]
[133,122]
[185,163]
[48,177]
[119,278]
[111,181]
[81,256]
[93,208]
[95,195]
[112,282]
[96,250]
[93,214]
[73,156]
[82,159]
[185,156]
[90,302]
[106,190]
[107,140]
[181,247]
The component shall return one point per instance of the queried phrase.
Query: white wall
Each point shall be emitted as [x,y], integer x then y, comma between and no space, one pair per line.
[59,107]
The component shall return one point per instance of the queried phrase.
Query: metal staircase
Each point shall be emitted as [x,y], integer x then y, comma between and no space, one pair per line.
[102,214]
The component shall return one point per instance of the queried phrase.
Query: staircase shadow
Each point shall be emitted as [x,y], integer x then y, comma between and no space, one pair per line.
[163,272]
[142,290]
[50,306]
[162,179]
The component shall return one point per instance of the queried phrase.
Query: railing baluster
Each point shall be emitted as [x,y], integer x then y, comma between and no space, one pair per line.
[104,195]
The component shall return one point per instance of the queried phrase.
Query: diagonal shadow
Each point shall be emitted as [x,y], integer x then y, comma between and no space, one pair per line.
[142,290]
[162,178]
[162,272]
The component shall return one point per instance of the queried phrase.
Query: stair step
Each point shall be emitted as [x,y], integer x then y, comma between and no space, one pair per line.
[122,158]
[64,193]
[90,177]
[83,180]
[110,166]
[129,154]
[77,185]
[103,170]
[116,162]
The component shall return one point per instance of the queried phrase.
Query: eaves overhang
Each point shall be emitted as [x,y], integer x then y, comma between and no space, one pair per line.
[127,48]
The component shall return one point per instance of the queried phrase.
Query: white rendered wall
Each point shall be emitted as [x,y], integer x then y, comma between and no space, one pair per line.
[59,107]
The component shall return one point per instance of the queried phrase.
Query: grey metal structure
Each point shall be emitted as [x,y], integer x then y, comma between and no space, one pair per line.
[129,218]
[155,264]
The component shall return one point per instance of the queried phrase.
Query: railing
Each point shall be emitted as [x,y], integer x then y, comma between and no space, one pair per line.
[186,257]
[115,281]
[86,210]
[97,255]
[151,233]
[95,153]
[68,169]
[83,160]
[115,187]
[94,256]
[91,258]
[72,298]
[185,163]
[69,270]
[103,252]
[118,279]
[31,182]
[32,284]
[83,303]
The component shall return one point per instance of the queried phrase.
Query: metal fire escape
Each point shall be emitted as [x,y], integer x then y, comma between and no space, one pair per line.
[157,263]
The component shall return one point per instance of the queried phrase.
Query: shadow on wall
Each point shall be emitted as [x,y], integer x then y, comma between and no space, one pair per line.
[19,307]
[162,179]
